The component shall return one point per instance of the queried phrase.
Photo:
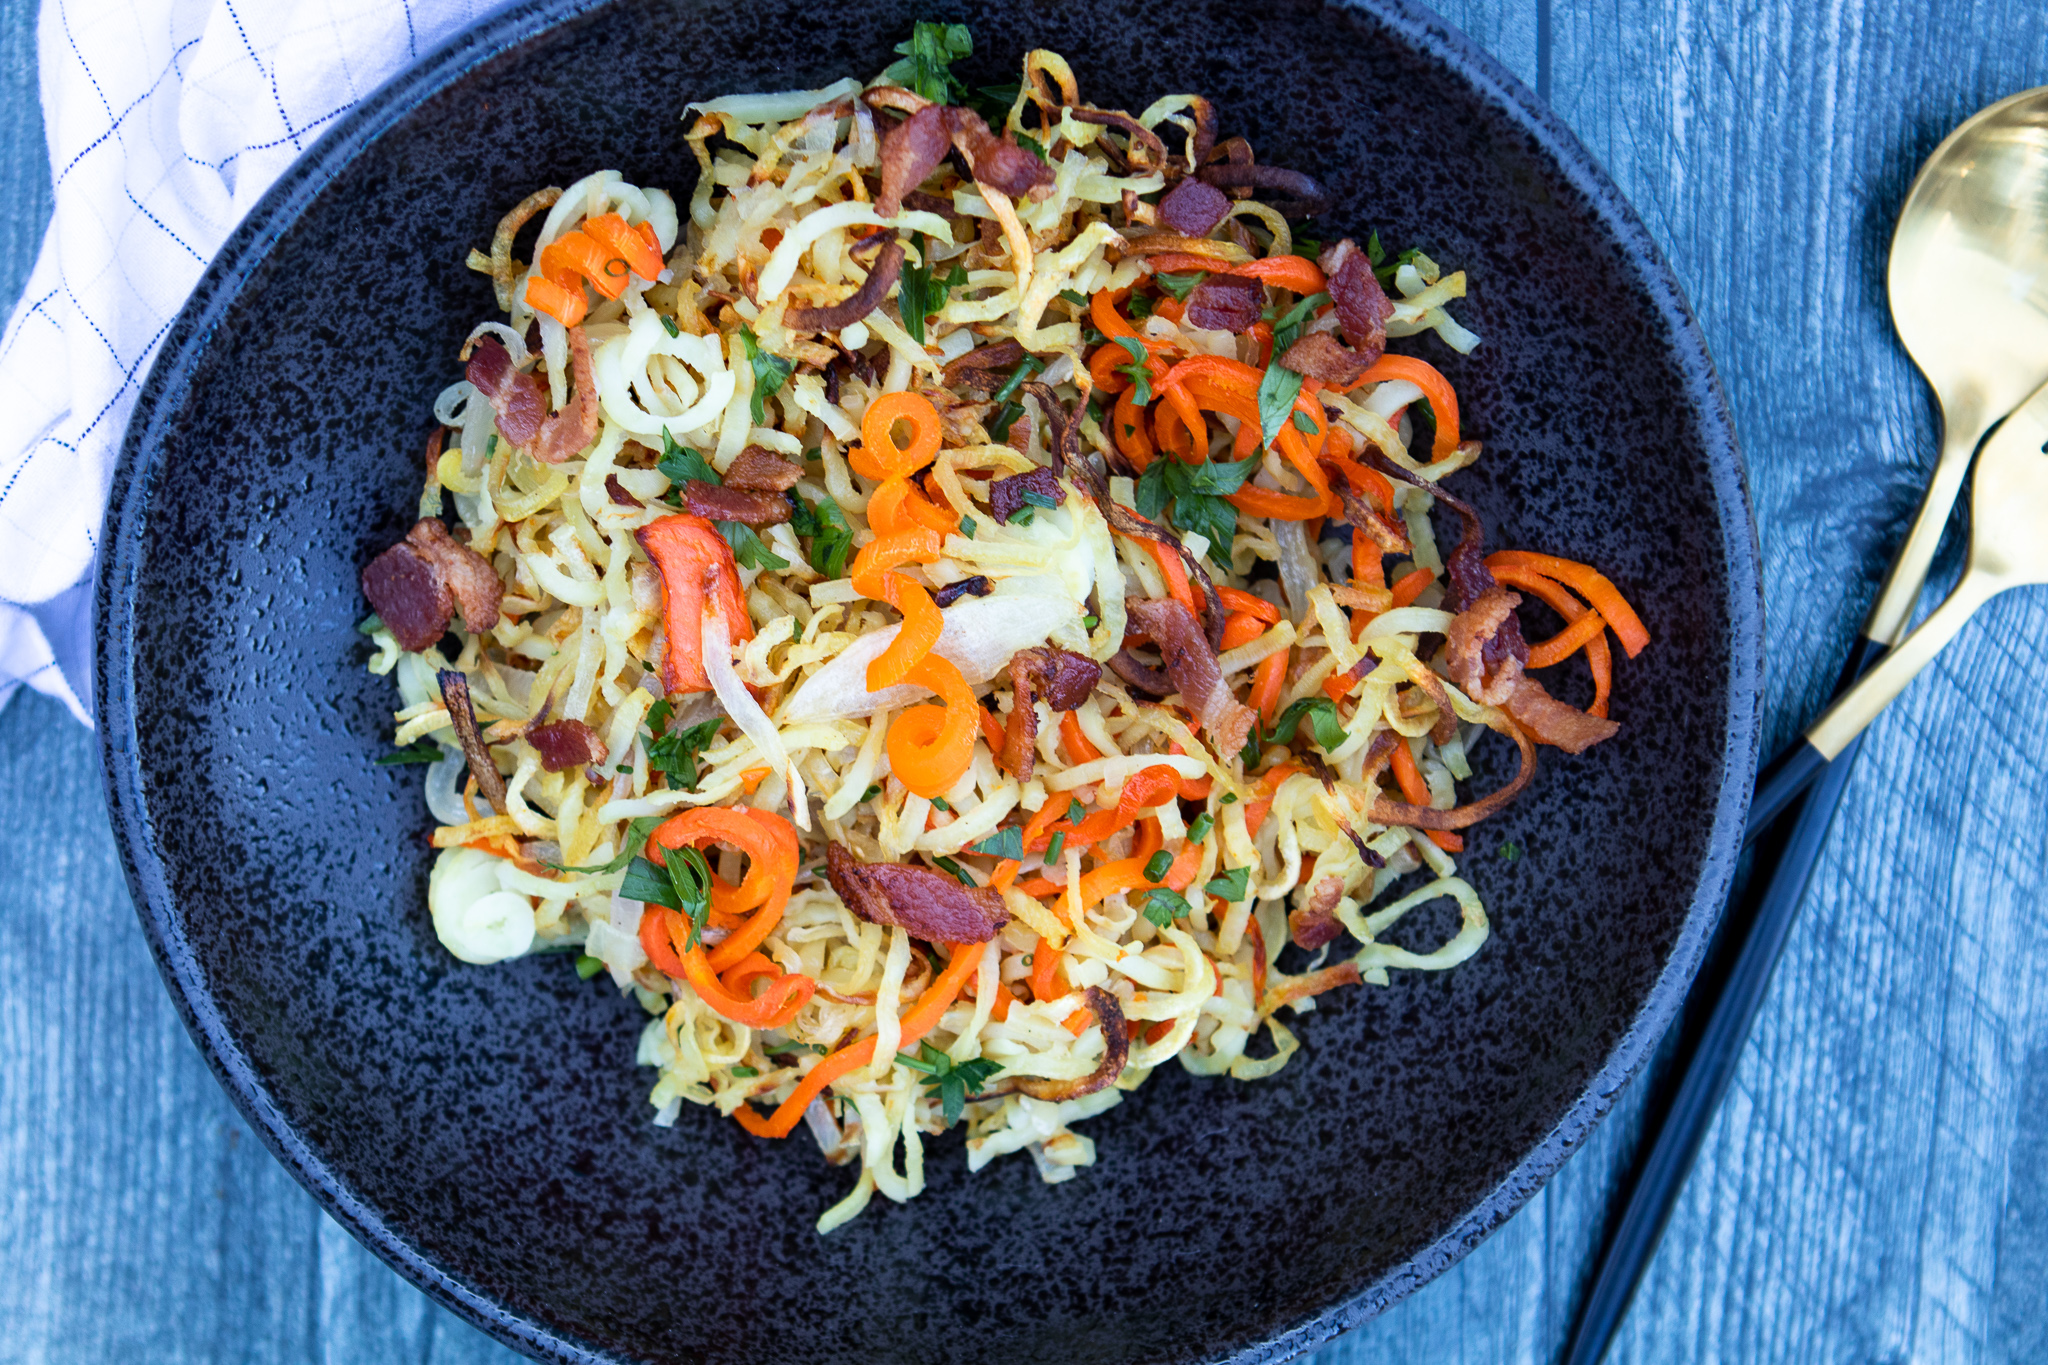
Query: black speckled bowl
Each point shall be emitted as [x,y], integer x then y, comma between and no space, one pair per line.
[485,1130]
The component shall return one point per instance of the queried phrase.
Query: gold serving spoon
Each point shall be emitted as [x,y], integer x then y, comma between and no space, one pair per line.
[1969,292]
[2008,549]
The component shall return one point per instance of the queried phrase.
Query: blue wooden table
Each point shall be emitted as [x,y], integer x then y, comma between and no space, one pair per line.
[1876,1188]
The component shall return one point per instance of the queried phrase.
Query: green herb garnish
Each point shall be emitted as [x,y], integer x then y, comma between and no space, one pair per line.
[1139,369]
[1199,830]
[923,295]
[959,873]
[679,464]
[748,548]
[1198,495]
[675,754]
[928,57]
[588,966]
[1180,286]
[1163,907]
[1055,846]
[1232,885]
[771,372]
[1281,386]
[684,885]
[951,1081]
[1004,843]
[1158,866]
[1511,851]
[1321,714]
[831,536]
[426,751]
[636,839]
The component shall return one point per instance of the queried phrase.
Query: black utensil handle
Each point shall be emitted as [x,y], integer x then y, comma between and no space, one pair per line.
[1662,1173]
[1704,1068]
[1787,775]
[1792,771]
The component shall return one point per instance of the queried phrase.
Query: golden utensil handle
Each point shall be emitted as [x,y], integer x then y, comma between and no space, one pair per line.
[1860,705]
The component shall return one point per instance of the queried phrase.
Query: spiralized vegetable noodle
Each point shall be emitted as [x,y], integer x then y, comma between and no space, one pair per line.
[970,627]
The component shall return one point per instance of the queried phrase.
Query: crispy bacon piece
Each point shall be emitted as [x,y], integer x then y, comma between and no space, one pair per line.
[409,596]
[1362,305]
[1308,199]
[1006,495]
[930,203]
[418,584]
[1550,721]
[997,162]
[882,277]
[1314,983]
[516,396]
[567,432]
[1146,151]
[1423,677]
[1314,922]
[1116,1050]
[1225,303]
[1387,812]
[462,716]
[980,367]
[1191,663]
[1388,532]
[471,580]
[1320,356]
[924,904]
[1469,578]
[1193,208]
[1139,674]
[565,744]
[1471,630]
[1059,677]
[1362,311]
[959,422]
[977,586]
[616,491]
[911,151]
[761,470]
[750,506]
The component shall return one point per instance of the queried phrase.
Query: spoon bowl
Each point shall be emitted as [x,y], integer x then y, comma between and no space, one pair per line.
[1968,281]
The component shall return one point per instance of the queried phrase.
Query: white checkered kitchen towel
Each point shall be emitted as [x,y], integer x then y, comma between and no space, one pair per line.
[166,120]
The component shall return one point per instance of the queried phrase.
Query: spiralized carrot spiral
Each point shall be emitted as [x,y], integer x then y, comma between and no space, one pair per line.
[929,746]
